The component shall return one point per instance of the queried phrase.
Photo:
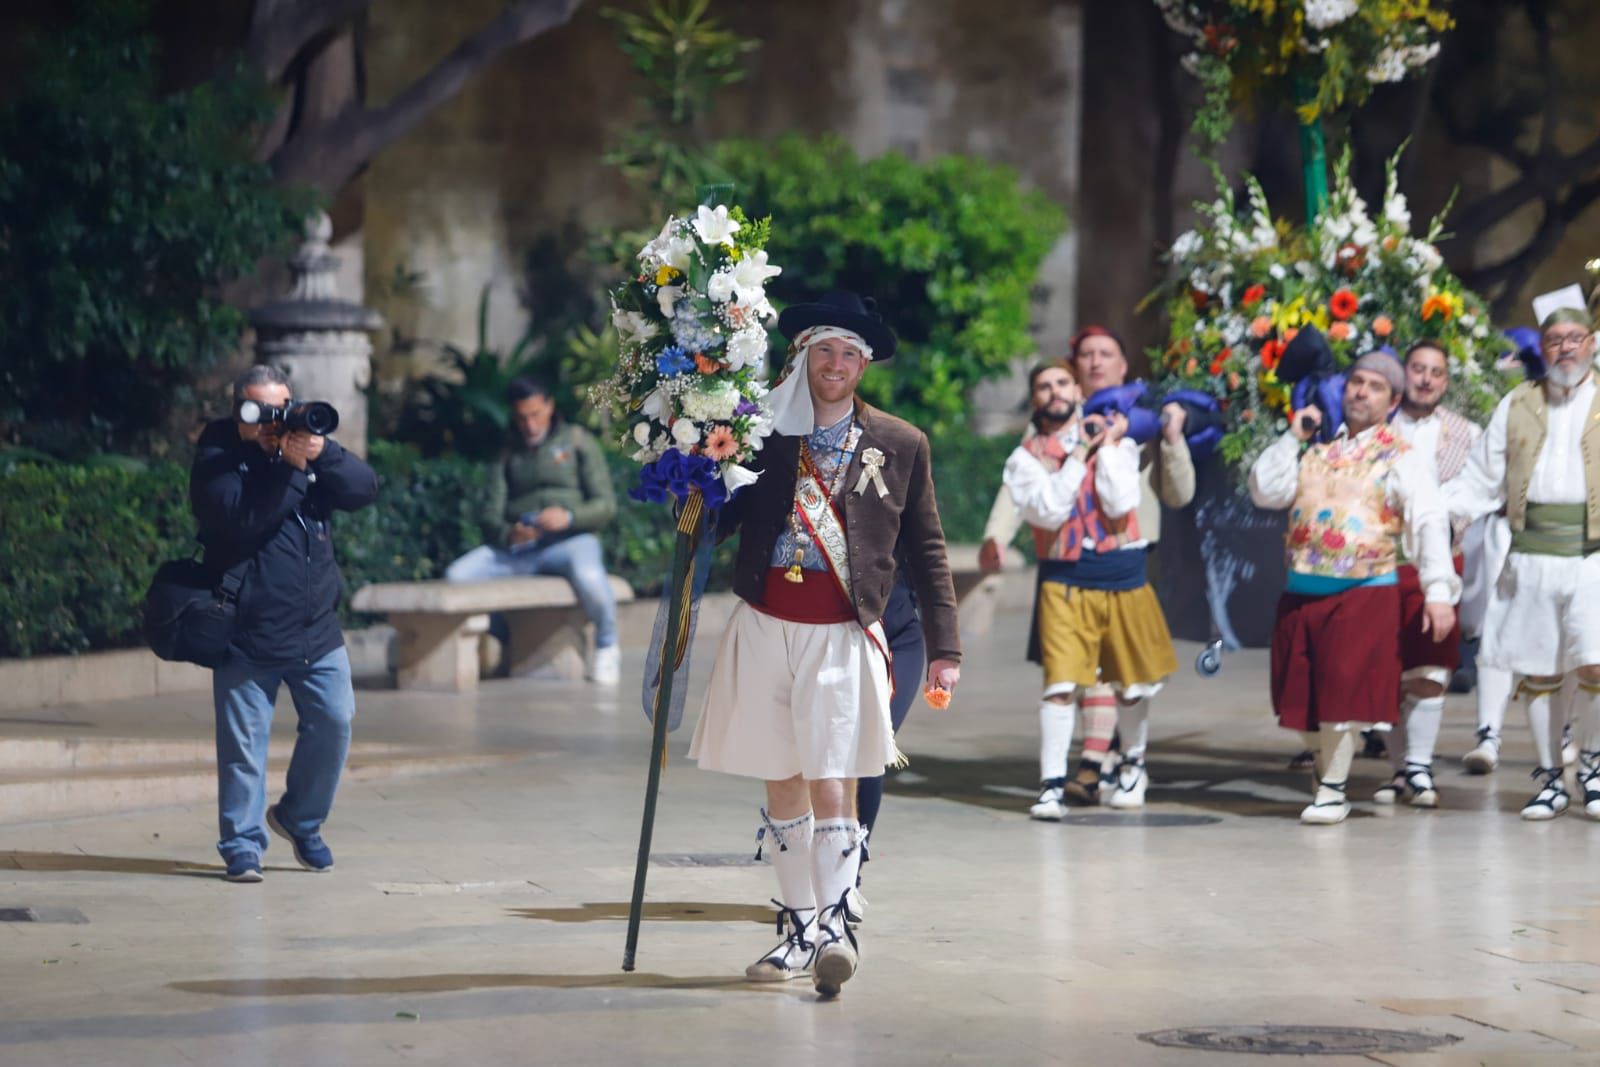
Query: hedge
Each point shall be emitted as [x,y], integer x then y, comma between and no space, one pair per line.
[78,544]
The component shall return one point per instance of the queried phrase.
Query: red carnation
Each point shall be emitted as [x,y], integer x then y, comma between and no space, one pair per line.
[1343,304]
[1252,296]
[1271,353]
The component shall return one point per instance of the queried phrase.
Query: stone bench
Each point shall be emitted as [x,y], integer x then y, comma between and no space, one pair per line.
[438,625]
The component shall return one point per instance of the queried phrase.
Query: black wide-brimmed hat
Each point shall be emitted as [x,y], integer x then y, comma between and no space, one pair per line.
[846,311]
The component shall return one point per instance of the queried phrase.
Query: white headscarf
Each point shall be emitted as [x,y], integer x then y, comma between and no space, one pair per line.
[792,412]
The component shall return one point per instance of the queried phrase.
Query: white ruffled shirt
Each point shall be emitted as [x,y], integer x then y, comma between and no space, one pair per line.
[1047,499]
[1413,492]
[1558,476]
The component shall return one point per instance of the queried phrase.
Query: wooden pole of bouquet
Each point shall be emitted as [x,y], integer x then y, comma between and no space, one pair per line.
[690,522]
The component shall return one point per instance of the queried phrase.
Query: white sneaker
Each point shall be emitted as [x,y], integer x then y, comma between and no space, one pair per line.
[606,669]
[1132,780]
[1551,800]
[1485,756]
[1328,807]
[1049,807]
[794,955]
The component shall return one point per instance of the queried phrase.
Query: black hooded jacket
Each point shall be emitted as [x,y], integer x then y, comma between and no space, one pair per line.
[252,506]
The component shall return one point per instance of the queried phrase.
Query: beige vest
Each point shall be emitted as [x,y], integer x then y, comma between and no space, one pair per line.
[1341,524]
[1527,422]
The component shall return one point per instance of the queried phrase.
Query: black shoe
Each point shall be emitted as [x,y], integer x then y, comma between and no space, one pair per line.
[1374,746]
[1305,761]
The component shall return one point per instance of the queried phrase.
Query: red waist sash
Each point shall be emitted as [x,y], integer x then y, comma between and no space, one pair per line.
[817,600]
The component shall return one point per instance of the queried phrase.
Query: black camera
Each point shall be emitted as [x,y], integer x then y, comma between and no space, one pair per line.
[312,416]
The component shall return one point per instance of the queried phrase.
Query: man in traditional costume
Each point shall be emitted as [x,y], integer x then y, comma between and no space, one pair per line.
[1354,501]
[1097,622]
[1426,660]
[800,692]
[1166,476]
[1540,461]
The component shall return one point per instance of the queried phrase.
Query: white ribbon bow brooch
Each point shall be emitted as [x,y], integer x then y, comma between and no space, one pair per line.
[872,473]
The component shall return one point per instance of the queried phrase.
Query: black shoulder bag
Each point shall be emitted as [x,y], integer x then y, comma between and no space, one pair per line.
[189,612]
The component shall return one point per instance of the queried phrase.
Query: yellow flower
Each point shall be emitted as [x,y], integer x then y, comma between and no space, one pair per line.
[665,274]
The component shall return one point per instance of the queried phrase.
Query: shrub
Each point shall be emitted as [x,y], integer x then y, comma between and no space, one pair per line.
[950,249]
[79,544]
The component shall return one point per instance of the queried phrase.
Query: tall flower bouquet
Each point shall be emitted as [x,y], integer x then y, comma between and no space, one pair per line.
[690,383]
[1330,52]
[690,376]
[1243,284]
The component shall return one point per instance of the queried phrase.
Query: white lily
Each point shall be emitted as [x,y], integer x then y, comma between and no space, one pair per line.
[736,477]
[750,276]
[714,226]
[656,405]
[720,287]
[632,326]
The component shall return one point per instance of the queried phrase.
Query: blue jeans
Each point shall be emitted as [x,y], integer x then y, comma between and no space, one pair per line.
[244,693]
[576,558]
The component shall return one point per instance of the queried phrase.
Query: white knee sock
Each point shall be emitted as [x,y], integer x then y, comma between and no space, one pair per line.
[1586,711]
[1133,723]
[1542,725]
[1055,738]
[1494,693]
[1423,716]
[835,855]
[1338,748]
[790,847]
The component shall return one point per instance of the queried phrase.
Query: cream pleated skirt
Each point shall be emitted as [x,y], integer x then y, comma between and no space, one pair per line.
[788,698]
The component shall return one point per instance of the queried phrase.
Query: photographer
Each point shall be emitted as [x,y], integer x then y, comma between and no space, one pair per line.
[263,493]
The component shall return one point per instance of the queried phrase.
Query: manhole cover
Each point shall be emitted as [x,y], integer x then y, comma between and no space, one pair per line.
[1143,818]
[1298,1040]
[704,859]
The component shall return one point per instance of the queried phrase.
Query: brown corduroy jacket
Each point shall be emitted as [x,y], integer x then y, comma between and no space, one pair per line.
[903,525]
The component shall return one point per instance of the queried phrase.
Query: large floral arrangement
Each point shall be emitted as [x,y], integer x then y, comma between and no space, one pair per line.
[1243,284]
[690,379]
[1329,52]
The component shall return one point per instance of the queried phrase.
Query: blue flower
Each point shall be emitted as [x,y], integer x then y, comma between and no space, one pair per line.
[673,361]
[1325,515]
[675,474]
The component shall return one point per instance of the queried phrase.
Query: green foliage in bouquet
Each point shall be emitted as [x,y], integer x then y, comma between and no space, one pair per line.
[1318,55]
[949,249]
[1243,283]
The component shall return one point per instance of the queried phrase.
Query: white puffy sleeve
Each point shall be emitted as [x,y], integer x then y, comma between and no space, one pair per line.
[1480,488]
[1414,492]
[1275,475]
[1116,478]
[1043,499]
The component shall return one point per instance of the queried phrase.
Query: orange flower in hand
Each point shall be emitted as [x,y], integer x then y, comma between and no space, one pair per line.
[937,697]
[721,443]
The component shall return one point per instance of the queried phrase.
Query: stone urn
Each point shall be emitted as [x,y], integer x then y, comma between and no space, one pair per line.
[322,342]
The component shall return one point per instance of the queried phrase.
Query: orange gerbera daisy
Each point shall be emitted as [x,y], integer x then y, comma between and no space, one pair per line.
[1343,304]
[1383,326]
[1339,331]
[1437,304]
[1261,326]
[721,443]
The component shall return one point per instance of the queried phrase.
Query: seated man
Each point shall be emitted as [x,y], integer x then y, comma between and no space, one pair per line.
[547,496]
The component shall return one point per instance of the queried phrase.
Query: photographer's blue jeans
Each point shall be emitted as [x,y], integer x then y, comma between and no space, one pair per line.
[245,692]
[578,559]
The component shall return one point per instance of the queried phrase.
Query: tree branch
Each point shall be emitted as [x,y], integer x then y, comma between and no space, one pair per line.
[326,156]
[279,29]
[1512,273]
[1541,182]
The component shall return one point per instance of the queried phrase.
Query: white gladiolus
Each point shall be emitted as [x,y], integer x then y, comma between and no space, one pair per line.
[750,276]
[1187,245]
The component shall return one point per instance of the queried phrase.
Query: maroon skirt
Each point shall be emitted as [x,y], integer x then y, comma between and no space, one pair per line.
[1335,658]
[1418,649]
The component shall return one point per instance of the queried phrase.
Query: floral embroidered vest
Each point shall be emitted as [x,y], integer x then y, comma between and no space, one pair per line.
[1087,522]
[1341,525]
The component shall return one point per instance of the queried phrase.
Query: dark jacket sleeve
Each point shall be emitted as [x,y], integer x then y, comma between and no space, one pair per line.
[232,521]
[344,480]
[922,546]
[599,505]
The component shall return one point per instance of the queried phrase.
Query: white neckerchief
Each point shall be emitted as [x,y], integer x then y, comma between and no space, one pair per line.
[792,412]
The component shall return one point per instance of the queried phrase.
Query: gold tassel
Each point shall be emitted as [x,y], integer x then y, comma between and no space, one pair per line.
[901,760]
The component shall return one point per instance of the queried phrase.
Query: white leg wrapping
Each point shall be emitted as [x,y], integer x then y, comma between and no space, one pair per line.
[1423,720]
[1494,693]
[1055,738]
[1542,725]
[1133,722]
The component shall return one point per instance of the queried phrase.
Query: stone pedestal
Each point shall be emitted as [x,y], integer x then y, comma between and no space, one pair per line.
[320,340]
